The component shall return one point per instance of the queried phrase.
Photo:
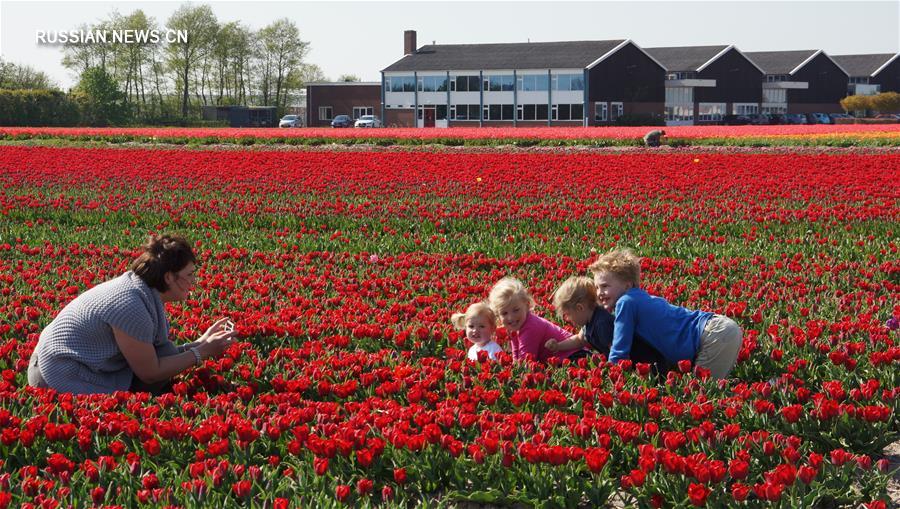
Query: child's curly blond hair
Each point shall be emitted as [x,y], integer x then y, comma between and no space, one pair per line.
[505,291]
[622,263]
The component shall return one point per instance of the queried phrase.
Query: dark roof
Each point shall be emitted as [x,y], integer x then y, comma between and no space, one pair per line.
[779,62]
[863,65]
[520,55]
[684,58]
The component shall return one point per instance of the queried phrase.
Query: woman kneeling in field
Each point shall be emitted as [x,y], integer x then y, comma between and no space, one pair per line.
[114,337]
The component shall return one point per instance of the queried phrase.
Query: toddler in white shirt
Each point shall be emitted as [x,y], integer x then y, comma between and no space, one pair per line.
[479,324]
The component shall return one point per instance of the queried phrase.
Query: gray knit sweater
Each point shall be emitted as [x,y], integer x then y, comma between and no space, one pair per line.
[77,351]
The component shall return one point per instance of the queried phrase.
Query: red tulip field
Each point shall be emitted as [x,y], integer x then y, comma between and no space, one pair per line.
[348,385]
[842,135]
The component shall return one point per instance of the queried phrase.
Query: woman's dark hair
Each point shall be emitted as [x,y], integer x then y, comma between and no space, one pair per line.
[162,253]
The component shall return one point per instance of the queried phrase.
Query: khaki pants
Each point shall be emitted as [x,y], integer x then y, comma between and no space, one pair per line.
[720,344]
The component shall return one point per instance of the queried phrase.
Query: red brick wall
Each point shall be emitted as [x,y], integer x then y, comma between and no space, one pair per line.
[401,117]
[342,99]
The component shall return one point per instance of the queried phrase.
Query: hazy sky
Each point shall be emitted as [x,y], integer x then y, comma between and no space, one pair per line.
[364,37]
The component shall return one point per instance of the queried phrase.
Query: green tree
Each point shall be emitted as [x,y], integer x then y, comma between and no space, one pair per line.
[99,99]
[310,73]
[281,53]
[853,103]
[231,56]
[349,78]
[131,60]
[182,56]
[886,102]
[22,77]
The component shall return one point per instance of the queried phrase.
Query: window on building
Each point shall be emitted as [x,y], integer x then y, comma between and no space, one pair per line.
[440,112]
[498,112]
[774,95]
[359,111]
[533,82]
[577,82]
[532,112]
[679,95]
[682,113]
[681,75]
[499,83]
[745,108]
[325,113]
[708,112]
[432,84]
[400,83]
[600,112]
[465,112]
[567,81]
[567,111]
[615,111]
[464,84]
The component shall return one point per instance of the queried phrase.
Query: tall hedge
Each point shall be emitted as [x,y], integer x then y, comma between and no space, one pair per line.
[37,108]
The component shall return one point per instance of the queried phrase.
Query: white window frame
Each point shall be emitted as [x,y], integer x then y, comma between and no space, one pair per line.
[619,109]
[774,95]
[601,112]
[366,110]
[323,110]
[771,110]
[744,109]
[715,112]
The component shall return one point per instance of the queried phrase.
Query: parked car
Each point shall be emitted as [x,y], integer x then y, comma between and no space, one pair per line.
[367,121]
[795,118]
[818,118]
[888,116]
[776,118]
[735,120]
[290,121]
[342,121]
[835,116]
[759,119]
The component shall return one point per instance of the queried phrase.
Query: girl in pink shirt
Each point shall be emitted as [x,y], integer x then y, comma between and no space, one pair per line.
[528,332]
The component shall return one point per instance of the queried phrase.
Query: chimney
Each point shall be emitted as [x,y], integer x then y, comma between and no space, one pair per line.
[409,42]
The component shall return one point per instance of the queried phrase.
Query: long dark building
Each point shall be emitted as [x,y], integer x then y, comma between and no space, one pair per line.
[871,74]
[521,84]
[605,82]
[805,81]
[705,83]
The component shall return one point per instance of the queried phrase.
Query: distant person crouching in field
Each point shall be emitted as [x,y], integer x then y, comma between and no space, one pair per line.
[115,336]
[652,139]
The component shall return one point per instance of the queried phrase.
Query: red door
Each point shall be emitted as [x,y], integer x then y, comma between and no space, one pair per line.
[429,117]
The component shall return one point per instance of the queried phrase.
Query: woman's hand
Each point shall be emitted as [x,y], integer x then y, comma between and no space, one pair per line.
[218,326]
[216,339]
[552,345]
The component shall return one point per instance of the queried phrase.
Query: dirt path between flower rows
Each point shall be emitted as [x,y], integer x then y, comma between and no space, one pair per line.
[507,149]
[892,453]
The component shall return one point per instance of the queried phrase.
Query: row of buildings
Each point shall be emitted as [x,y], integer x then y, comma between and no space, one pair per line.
[597,82]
